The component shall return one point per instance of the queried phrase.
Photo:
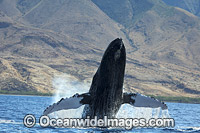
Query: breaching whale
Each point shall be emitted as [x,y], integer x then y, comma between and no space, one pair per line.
[106,92]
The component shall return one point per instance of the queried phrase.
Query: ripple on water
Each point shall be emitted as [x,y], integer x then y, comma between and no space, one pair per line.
[14,108]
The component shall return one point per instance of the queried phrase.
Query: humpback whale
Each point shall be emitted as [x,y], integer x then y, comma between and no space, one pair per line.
[106,92]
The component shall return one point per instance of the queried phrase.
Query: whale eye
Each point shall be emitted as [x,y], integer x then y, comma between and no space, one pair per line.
[117,54]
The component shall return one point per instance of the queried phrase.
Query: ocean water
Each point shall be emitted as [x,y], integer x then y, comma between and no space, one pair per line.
[14,108]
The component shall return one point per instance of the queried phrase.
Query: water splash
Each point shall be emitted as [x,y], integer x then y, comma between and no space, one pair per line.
[129,111]
[67,86]
[69,113]
[126,111]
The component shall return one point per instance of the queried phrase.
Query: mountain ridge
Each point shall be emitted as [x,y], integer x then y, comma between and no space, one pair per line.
[161,42]
[192,6]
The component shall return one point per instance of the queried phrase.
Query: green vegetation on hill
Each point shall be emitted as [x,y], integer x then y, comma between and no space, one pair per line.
[161,98]
[130,11]
[25,5]
[25,93]
[178,99]
[192,6]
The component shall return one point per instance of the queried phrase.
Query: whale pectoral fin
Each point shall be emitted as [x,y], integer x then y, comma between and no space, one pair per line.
[86,98]
[139,100]
[73,102]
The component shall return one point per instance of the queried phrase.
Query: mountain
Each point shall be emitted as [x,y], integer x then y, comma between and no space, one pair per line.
[167,42]
[192,6]
[32,55]
[44,38]
[80,19]
[154,26]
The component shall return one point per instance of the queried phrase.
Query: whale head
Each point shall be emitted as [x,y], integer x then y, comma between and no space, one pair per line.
[115,51]
[107,84]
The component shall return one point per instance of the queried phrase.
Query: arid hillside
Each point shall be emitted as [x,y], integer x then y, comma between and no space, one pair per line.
[44,38]
[192,6]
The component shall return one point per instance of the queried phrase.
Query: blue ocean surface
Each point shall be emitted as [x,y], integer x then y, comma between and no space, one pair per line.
[14,108]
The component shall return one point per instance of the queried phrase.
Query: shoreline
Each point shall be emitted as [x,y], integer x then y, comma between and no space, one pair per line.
[26,95]
[31,93]
[178,99]
[161,98]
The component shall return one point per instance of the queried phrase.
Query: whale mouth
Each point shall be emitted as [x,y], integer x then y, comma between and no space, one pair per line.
[121,46]
[117,54]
